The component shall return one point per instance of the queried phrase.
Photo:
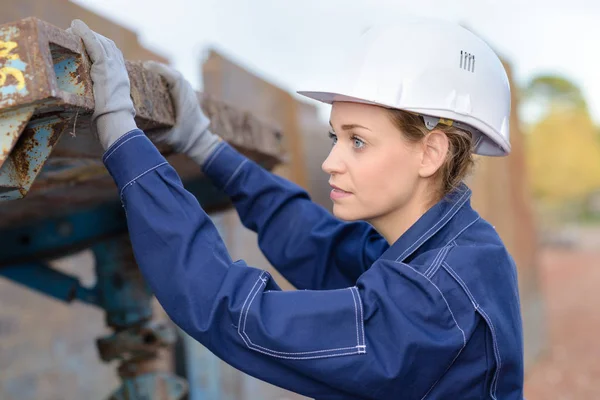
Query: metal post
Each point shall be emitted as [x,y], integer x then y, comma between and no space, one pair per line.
[137,339]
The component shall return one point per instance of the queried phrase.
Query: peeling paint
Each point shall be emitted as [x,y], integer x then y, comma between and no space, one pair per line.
[41,66]
[12,124]
[11,66]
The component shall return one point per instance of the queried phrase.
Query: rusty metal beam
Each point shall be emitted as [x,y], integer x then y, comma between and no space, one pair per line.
[47,150]
[49,158]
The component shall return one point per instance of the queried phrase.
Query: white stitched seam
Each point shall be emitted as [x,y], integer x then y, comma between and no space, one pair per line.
[248,308]
[355,317]
[252,346]
[260,278]
[434,260]
[455,321]
[452,243]
[443,297]
[264,350]
[308,357]
[438,259]
[235,173]
[453,240]
[121,144]
[213,156]
[362,320]
[437,266]
[496,350]
[488,320]
[440,221]
[283,352]
[461,283]
[118,144]
[456,206]
[244,305]
[449,366]
[138,177]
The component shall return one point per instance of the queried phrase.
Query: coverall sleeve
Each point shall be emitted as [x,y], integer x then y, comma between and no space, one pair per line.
[392,334]
[310,247]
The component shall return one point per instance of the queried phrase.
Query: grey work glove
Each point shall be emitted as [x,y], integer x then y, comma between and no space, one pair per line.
[114,111]
[190,135]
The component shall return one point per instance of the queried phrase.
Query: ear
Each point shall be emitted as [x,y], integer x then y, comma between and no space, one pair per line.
[435,149]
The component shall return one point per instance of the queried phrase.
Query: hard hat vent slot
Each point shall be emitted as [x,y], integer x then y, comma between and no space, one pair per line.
[467,61]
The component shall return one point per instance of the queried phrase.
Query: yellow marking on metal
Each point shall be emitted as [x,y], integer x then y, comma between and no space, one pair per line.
[6,49]
[18,75]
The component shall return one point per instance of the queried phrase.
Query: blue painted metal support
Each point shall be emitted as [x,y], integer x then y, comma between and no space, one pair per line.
[77,230]
[56,284]
[123,293]
[136,342]
[120,288]
[45,92]
[149,387]
[57,237]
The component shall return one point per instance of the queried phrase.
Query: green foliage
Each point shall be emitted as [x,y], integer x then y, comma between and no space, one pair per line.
[556,90]
[563,147]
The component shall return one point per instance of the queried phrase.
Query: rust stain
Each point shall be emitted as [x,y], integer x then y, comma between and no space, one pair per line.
[78,74]
[57,129]
[21,160]
[6,152]
[155,110]
[27,155]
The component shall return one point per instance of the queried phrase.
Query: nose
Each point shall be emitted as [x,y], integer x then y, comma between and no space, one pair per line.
[334,163]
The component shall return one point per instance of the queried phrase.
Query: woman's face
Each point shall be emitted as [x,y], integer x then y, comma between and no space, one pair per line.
[373,169]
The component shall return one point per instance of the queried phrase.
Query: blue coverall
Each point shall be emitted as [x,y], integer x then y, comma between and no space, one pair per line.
[436,315]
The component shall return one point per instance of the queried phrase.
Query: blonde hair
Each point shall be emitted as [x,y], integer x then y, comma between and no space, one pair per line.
[459,160]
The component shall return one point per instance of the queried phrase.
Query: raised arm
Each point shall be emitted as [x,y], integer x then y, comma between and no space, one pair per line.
[308,245]
[330,344]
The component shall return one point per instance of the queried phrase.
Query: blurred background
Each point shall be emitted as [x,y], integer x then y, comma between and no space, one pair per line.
[544,199]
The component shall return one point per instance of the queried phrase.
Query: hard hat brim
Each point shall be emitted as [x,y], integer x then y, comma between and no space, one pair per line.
[503,148]
[331,97]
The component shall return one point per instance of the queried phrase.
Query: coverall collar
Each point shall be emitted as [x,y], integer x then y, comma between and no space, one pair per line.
[430,223]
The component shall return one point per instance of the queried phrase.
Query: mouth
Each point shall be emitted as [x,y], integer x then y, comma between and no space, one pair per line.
[338,193]
[339,189]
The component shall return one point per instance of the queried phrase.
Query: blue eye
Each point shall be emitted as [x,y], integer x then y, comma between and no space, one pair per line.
[358,144]
[333,137]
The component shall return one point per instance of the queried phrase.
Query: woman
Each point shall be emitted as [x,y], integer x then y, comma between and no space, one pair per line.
[420,301]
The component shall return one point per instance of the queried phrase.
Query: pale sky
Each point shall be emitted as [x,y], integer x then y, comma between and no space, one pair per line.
[296,44]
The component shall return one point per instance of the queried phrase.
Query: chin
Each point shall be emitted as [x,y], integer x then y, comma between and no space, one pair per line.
[349,214]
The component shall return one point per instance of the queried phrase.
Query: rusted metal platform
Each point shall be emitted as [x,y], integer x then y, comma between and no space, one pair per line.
[49,158]
[57,198]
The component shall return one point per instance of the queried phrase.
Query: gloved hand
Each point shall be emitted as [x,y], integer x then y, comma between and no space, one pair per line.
[114,111]
[190,135]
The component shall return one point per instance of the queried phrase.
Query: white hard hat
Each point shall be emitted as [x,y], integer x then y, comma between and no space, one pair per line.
[433,68]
